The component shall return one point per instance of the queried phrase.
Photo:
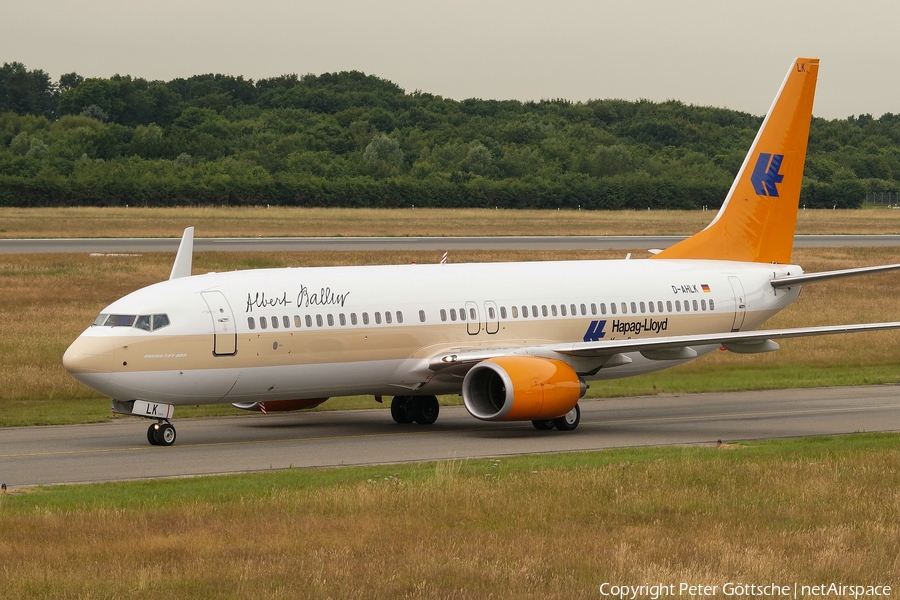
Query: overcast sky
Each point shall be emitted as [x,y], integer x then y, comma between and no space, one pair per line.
[704,52]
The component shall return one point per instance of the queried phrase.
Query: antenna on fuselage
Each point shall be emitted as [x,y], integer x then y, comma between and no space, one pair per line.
[182,266]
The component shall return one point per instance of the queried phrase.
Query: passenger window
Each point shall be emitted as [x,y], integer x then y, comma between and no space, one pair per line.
[492,314]
[612,307]
[695,305]
[633,308]
[263,323]
[668,306]
[342,319]
[678,306]
[650,306]
[712,305]
[603,308]
[387,317]
[443,315]
[515,312]
[330,318]
[703,305]
[583,310]
[377,318]
[462,314]
[143,322]
[308,320]
[624,309]
[544,309]
[553,310]
[453,314]
[422,316]
[659,306]
[251,323]
[562,309]
[319,320]
[353,320]
[472,315]
[687,306]
[574,312]
[399,317]
[502,312]
[297,322]
[524,312]
[274,322]
[643,310]
[534,312]
[365,316]
[286,321]
[593,308]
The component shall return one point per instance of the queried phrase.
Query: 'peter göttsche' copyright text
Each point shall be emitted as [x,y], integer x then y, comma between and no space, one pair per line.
[771,590]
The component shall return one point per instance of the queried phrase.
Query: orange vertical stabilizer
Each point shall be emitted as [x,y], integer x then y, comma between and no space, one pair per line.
[756,222]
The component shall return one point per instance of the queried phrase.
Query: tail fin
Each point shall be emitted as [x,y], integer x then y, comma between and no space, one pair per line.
[756,222]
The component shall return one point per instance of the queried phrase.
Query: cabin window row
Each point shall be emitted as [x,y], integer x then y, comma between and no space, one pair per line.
[574,310]
[310,321]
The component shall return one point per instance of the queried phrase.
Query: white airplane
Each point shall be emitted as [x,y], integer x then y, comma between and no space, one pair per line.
[519,341]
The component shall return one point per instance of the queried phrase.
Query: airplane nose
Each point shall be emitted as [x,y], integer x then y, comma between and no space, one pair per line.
[90,358]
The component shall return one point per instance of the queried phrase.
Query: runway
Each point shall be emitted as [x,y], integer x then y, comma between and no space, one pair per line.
[247,443]
[280,244]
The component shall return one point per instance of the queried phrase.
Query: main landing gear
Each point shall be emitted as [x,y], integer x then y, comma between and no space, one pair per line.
[161,433]
[567,422]
[423,410]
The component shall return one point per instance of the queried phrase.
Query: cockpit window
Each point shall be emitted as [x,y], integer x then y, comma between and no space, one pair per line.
[145,322]
[160,321]
[120,320]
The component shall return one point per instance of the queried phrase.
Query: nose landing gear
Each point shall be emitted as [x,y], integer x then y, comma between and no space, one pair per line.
[161,433]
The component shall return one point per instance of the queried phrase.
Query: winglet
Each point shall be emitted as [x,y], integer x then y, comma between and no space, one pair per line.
[184,258]
[756,222]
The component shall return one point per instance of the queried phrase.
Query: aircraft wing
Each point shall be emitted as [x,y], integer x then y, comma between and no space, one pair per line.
[661,348]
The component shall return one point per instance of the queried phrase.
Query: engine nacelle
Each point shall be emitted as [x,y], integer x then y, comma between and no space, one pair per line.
[280,405]
[521,388]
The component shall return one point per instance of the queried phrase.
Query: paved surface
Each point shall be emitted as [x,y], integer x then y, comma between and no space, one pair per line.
[129,245]
[119,450]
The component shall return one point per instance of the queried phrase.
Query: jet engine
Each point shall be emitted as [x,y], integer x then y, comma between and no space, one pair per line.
[521,388]
[279,405]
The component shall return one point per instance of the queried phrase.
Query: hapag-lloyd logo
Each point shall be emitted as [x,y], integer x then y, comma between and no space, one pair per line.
[638,327]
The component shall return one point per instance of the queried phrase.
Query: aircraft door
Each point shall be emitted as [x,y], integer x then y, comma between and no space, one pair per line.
[491,317]
[473,322]
[740,303]
[224,328]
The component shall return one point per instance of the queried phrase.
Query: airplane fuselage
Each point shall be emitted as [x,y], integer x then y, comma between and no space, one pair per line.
[294,333]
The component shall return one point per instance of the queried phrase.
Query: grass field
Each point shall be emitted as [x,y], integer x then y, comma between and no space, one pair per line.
[807,511]
[47,300]
[312,222]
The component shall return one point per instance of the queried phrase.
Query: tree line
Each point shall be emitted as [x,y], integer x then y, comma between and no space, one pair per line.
[351,139]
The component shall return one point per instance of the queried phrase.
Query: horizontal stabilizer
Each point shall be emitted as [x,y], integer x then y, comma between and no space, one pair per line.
[790,281]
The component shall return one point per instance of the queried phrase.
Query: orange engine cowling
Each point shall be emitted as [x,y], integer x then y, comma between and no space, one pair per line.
[521,388]
[280,405]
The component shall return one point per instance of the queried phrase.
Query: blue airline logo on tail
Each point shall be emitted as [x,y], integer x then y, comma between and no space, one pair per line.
[595,331]
[765,176]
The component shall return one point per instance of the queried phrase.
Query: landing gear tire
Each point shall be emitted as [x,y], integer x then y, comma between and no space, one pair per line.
[570,420]
[151,435]
[425,409]
[543,425]
[164,434]
[402,409]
